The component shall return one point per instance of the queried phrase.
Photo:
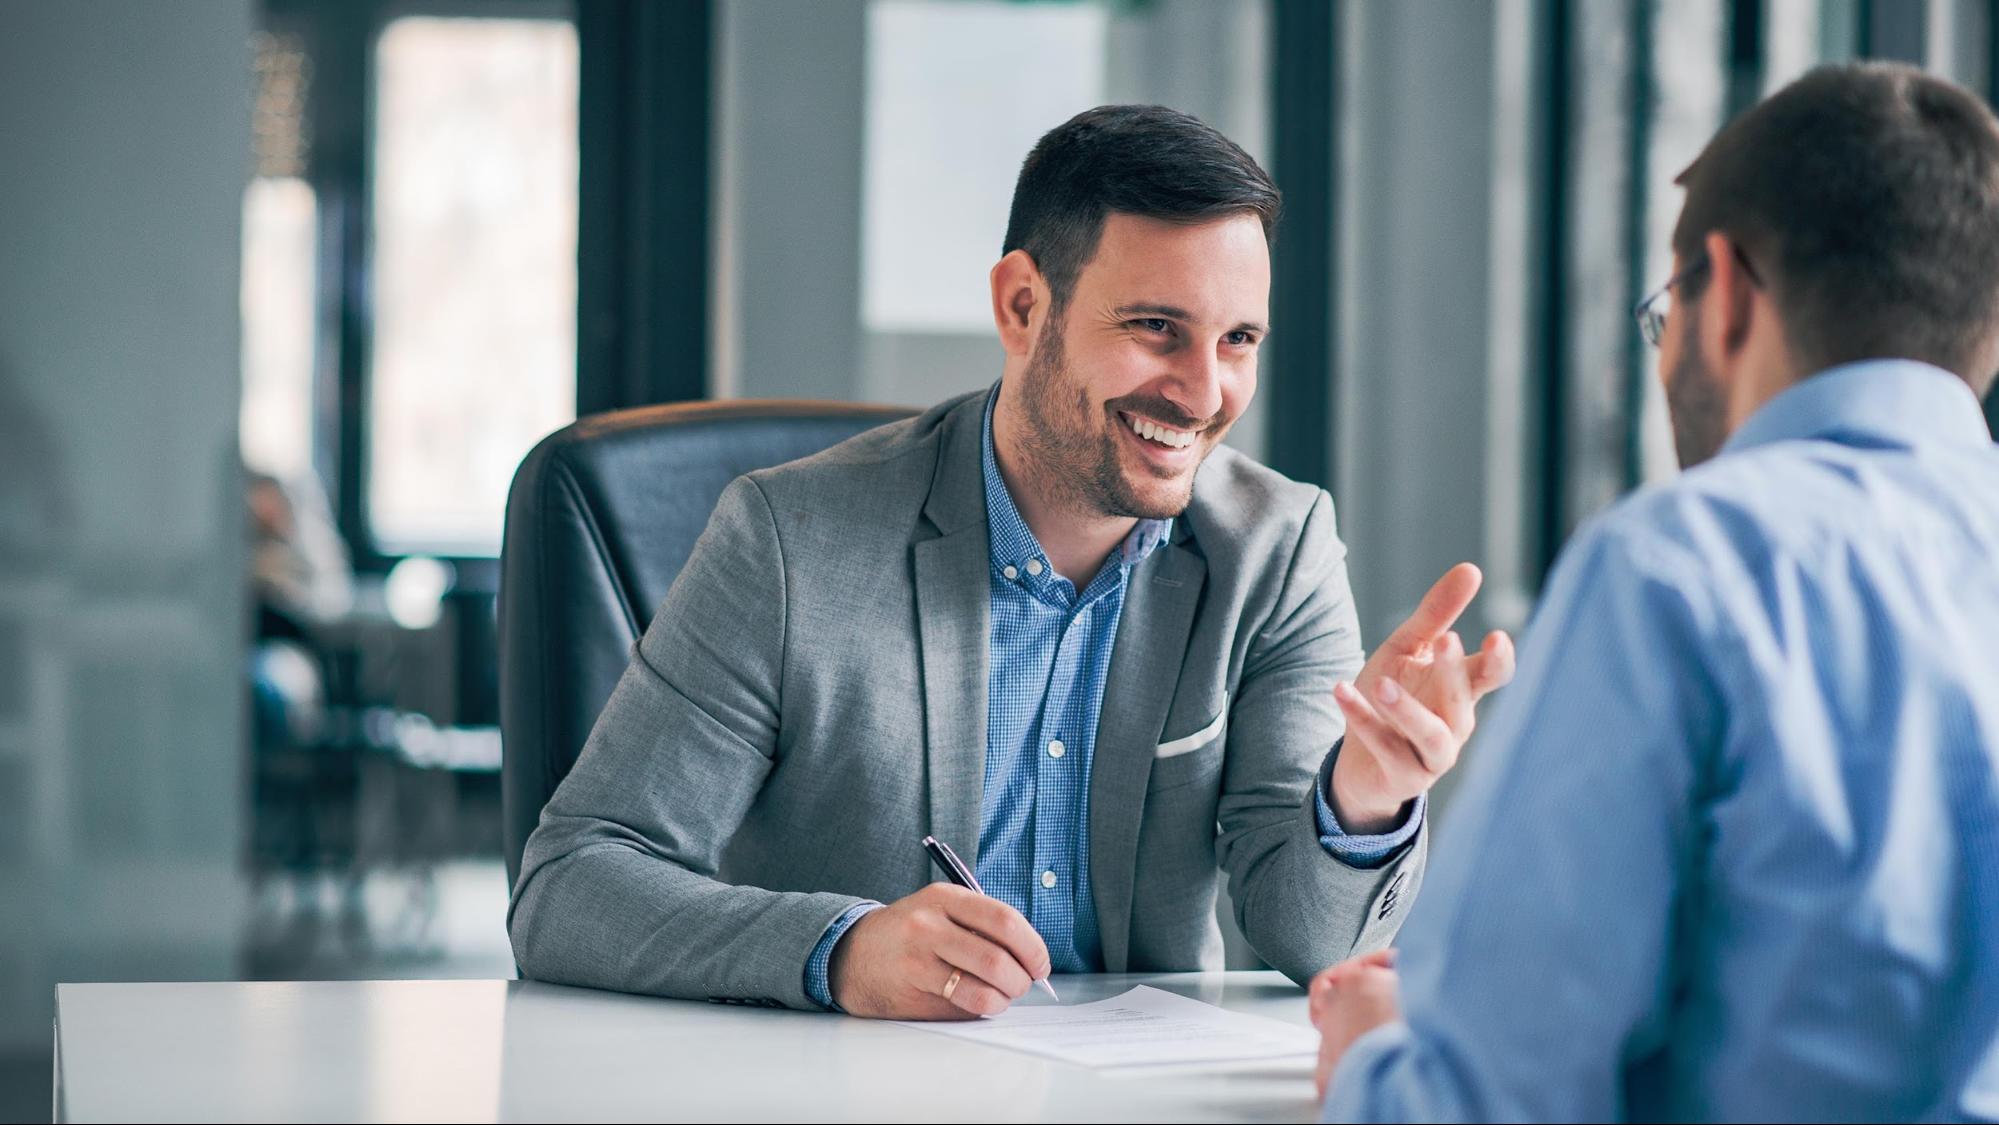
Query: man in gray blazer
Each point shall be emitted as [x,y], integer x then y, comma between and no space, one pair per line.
[1025,624]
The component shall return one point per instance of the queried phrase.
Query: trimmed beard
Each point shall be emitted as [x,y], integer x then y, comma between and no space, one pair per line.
[1695,402]
[1073,457]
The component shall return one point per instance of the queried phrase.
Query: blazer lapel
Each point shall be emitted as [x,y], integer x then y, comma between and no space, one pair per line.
[1158,617]
[953,611]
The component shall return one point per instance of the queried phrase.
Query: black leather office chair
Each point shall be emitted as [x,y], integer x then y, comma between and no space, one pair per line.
[601,518]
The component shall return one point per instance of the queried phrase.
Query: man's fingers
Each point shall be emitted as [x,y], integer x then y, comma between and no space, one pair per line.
[968,993]
[1491,668]
[1380,958]
[1328,980]
[1372,988]
[1001,924]
[1439,609]
[1451,683]
[1429,735]
[1370,982]
[991,963]
[1319,991]
[1357,996]
[1377,983]
[1366,726]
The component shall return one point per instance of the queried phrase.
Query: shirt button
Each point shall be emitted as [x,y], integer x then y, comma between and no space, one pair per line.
[1056,749]
[1034,566]
[1048,879]
[1010,573]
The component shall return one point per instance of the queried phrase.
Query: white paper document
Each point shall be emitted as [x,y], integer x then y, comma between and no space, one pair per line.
[1144,1027]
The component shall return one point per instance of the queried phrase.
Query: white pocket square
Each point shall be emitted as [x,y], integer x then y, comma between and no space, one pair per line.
[1199,738]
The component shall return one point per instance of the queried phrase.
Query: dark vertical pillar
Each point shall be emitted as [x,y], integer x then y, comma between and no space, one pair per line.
[1552,330]
[1892,29]
[1745,54]
[337,40]
[1302,375]
[1643,95]
[642,236]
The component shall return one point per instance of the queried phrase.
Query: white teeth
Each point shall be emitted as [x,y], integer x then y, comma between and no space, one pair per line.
[1152,431]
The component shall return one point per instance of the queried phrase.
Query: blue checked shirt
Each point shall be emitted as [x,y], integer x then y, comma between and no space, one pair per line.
[1729,846]
[1049,656]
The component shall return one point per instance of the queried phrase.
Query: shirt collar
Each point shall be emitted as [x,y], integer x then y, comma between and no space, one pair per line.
[1013,545]
[1897,401]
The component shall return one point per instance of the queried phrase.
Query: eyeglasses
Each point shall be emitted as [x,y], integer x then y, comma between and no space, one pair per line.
[1650,313]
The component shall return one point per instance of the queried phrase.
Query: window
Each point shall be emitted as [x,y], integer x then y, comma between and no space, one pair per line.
[946,131]
[473,352]
[280,258]
[280,224]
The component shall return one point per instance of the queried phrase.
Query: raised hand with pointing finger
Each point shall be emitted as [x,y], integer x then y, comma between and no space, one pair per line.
[1410,710]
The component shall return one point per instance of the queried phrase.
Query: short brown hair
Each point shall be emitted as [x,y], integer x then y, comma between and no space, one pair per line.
[1867,198]
[1144,160]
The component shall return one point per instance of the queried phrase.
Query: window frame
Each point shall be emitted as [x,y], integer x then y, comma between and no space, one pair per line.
[644,318]
[340,42]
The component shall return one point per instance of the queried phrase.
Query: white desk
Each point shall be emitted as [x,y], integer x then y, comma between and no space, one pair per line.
[515,1050]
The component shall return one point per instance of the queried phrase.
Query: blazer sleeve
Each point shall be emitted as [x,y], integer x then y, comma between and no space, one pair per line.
[617,887]
[1301,908]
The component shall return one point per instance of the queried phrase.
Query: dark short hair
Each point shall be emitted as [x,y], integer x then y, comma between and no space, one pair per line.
[1866,197]
[1144,160]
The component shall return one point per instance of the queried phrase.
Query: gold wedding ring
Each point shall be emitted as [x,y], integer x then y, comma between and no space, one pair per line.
[951,985]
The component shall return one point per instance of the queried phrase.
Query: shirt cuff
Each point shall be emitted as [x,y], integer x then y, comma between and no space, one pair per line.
[1363,1087]
[1361,851]
[819,966]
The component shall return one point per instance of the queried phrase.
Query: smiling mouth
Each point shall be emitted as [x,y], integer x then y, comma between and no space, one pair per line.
[1158,434]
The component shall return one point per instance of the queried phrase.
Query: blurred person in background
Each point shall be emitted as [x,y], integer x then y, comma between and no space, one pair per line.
[300,576]
[298,562]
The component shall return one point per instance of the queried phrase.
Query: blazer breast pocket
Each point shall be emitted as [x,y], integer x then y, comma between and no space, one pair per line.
[1191,757]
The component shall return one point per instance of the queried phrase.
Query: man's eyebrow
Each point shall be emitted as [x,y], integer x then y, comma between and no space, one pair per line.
[1146,309]
[1175,312]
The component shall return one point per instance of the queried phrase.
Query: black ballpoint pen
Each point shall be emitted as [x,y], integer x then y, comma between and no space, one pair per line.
[955,870]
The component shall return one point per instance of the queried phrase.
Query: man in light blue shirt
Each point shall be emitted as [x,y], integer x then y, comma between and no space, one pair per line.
[1731,847]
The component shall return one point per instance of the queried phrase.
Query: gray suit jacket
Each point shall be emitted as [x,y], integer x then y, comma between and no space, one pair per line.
[810,701]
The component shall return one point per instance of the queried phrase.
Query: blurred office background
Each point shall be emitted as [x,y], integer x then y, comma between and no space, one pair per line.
[287,288]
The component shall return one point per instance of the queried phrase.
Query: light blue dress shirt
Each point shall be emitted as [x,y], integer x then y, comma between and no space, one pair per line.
[1049,656]
[1729,847]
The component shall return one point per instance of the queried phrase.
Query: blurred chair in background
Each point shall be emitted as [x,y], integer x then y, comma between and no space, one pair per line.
[303,779]
[360,746]
[300,579]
